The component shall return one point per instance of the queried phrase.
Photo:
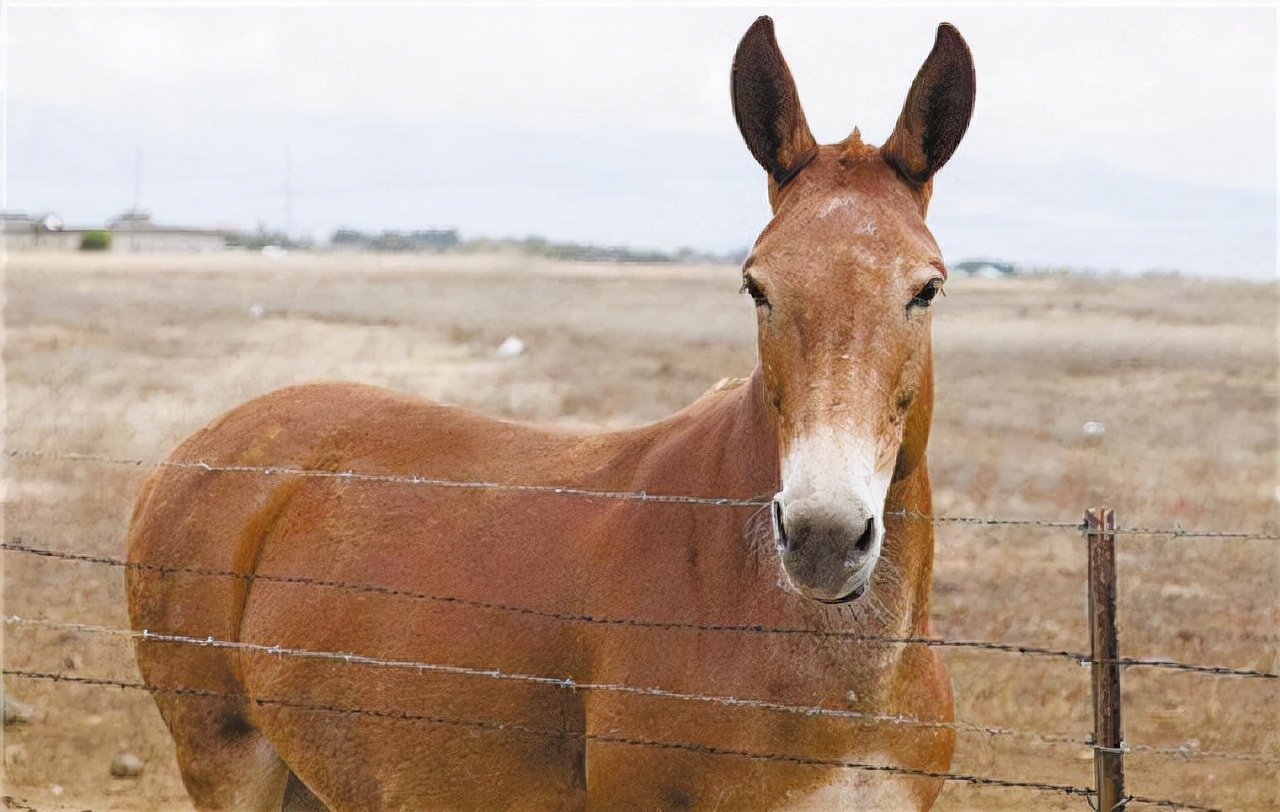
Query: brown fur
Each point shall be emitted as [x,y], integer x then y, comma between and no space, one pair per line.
[835,291]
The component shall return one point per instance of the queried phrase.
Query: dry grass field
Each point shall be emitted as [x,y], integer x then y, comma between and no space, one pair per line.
[123,356]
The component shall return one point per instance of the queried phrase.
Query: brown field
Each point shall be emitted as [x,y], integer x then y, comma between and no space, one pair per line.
[124,356]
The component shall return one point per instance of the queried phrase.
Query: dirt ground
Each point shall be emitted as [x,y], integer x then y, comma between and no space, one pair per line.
[123,356]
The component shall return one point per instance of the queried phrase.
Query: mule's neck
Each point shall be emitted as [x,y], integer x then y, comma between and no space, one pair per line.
[737,432]
[909,539]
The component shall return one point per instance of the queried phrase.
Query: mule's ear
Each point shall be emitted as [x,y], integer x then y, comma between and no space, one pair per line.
[766,106]
[937,110]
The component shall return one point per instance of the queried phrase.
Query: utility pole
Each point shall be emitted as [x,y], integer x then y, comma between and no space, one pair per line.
[137,180]
[288,181]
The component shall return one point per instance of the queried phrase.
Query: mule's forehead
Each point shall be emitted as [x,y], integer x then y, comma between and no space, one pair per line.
[848,229]
[846,215]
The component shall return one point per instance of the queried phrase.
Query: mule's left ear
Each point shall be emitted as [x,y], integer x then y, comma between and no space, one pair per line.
[937,110]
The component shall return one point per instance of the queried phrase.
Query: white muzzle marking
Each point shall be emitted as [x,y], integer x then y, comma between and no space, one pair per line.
[834,496]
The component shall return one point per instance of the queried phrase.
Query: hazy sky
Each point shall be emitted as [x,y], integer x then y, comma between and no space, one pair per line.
[1109,138]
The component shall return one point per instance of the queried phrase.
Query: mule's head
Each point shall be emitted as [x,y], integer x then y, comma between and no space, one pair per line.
[843,277]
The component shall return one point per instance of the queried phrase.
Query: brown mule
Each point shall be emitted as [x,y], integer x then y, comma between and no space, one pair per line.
[626,597]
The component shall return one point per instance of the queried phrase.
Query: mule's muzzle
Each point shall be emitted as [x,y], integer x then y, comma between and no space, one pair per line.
[825,558]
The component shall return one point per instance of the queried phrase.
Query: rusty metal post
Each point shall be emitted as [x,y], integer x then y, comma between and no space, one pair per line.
[1108,755]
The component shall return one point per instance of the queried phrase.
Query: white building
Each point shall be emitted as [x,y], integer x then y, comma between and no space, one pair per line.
[131,232]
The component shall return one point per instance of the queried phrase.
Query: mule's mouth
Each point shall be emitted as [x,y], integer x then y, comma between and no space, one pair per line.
[848,597]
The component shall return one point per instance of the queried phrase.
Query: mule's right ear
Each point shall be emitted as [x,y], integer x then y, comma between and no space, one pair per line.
[767,107]
[937,112]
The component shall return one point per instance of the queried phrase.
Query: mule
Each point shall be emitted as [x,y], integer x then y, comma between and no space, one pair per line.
[590,647]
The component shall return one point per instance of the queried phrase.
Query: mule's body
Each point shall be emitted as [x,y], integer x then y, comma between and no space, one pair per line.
[528,583]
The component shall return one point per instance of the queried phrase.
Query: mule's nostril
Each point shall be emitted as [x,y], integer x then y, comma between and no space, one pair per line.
[779,529]
[867,538]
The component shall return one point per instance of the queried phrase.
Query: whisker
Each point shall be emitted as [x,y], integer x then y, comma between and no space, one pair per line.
[758,531]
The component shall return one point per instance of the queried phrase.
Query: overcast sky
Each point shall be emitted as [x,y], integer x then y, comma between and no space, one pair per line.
[1103,138]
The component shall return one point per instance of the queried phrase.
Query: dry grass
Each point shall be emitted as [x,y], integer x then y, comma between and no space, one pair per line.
[124,356]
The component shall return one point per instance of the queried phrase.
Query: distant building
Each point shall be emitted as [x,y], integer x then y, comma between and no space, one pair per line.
[21,231]
[132,231]
[984,268]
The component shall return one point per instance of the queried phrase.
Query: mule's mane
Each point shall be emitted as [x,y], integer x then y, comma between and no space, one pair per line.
[727,385]
[853,147]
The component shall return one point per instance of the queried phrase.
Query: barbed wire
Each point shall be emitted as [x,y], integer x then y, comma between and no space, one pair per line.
[1129,800]
[437,482]
[19,545]
[1149,662]
[1078,657]
[1185,750]
[607,738]
[567,490]
[567,683]
[1192,750]
[1182,532]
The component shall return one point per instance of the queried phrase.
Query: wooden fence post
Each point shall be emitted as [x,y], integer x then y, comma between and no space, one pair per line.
[1108,756]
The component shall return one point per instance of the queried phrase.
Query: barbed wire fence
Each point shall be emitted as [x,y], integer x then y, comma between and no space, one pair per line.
[563,490]
[1104,750]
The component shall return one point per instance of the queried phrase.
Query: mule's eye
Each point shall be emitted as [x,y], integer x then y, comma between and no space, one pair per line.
[749,286]
[926,294]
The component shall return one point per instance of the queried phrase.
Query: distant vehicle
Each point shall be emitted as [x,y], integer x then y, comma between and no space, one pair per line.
[985,268]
